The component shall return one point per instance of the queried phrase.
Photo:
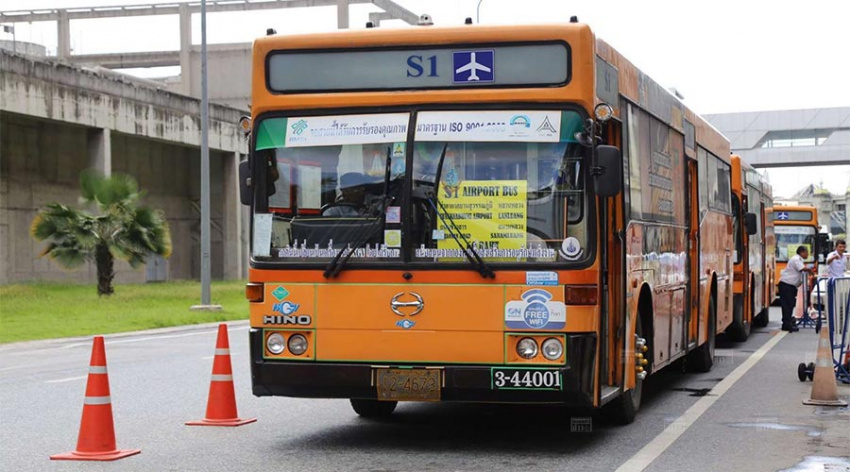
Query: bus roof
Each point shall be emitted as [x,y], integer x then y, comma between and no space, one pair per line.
[586,56]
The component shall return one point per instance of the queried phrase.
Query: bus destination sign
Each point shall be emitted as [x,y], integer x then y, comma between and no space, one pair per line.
[545,64]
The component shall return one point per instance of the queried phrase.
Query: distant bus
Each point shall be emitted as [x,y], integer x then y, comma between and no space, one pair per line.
[794,226]
[512,214]
[753,254]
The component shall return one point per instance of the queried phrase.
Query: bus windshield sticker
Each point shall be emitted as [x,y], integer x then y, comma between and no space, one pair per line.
[398,165]
[262,234]
[490,213]
[536,310]
[541,278]
[394,214]
[392,237]
[571,249]
[332,130]
[549,126]
[369,251]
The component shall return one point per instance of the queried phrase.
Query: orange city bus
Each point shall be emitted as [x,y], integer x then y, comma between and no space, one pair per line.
[753,242]
[794,226]
[509,214]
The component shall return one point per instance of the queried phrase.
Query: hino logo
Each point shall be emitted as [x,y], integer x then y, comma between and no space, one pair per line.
[287,319]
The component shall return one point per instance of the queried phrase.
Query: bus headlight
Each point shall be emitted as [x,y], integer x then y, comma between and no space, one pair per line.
[275,343]
[526,348]
[552,349]
[297,344]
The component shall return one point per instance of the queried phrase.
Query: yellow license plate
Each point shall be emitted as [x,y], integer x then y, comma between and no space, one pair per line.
[421,385]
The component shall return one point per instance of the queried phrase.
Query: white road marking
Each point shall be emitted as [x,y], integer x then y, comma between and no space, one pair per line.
[208,358]
[657,446]
[69,379]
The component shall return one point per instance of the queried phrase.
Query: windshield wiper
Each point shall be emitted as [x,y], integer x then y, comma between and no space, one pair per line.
[467,248]
[336,264]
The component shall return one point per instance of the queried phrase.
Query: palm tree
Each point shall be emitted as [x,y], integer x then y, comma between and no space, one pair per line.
[119,228]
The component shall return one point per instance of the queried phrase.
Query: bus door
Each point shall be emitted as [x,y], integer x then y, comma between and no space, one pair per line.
[614,265]
[693,208]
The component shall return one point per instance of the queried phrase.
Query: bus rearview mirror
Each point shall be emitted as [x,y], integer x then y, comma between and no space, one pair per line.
[822,243]
[751,222]
[607,171]
[245,192]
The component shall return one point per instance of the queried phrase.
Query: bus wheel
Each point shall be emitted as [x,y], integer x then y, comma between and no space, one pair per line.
[762,319]
[740,328]
[372,408]
[624,408]
[702,358]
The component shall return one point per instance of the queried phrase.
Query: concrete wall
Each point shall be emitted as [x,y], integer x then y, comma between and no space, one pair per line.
[56,121]
[233,88]
[40,162]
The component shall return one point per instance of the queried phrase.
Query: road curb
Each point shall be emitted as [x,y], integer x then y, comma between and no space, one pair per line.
[58,342]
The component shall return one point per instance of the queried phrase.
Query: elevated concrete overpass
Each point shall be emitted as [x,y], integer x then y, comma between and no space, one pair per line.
[788,138]
[234,90]
[57,120]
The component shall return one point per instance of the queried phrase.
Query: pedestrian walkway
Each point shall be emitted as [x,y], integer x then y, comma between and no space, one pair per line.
[761,424]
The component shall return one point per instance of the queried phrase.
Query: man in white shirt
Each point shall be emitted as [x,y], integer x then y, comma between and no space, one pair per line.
[791,278]
[836,261]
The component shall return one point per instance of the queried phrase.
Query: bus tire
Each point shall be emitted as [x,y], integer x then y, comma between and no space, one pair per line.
[701,359]
[761,320]
[624,408]
[372,408]
[739,330]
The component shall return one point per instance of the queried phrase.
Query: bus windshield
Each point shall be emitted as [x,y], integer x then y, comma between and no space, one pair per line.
[510,185]
[789,238]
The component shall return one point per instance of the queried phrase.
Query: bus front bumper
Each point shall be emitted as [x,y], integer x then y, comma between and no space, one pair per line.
[461,383]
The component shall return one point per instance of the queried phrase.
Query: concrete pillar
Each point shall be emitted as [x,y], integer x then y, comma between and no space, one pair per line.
[231,217]
[342,14]
[100,150]
[185,49]
[63,26]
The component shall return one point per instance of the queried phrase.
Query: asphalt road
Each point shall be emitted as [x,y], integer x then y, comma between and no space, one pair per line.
[160,379]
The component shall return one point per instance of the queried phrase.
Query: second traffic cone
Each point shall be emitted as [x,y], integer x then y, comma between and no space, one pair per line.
[824,389]
[221,405]
[97,434]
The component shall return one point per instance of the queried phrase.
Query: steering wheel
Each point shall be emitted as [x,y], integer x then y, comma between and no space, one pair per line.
[356,207]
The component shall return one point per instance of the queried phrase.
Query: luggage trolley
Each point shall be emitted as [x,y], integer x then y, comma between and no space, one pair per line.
[837,305]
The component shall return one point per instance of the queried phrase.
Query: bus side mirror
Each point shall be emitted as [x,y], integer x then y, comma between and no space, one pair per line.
[246,194]
[751,222]
[607,171]
[822,243]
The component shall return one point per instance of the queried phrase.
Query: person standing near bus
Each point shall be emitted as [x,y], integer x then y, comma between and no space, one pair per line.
[836,261]
[790,279]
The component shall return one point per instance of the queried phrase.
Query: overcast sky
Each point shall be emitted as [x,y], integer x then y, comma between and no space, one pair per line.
[722,55]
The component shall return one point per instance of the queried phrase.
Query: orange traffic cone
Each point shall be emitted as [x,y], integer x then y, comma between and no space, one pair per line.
[97,434]
[221,406]
[824,390]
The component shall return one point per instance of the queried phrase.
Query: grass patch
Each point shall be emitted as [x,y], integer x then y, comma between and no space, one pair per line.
[49,310]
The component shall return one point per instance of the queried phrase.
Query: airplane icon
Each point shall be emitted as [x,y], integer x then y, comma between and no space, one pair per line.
[474,67]
[479,65]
